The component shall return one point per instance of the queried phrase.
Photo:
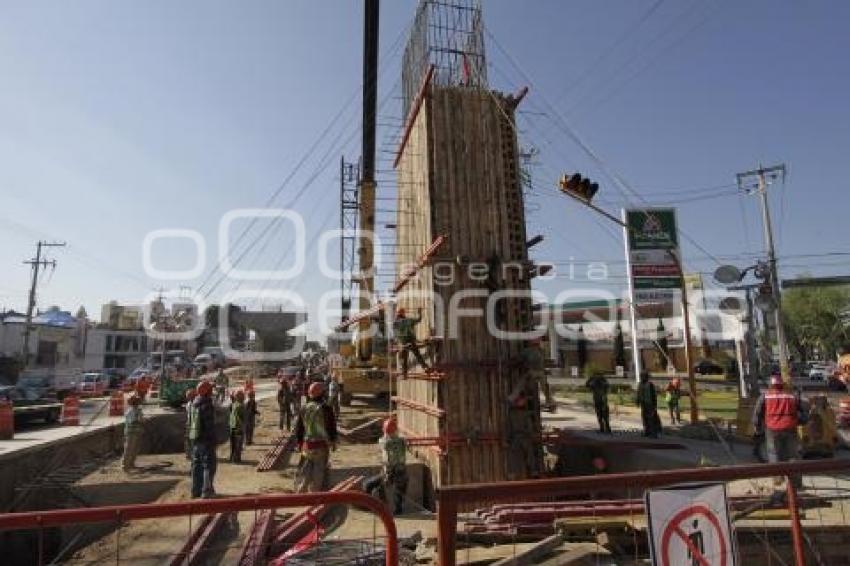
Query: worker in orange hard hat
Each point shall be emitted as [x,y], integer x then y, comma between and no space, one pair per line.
[132,431]
[394,467]
[777,414]
[673,395]
[405,333]
[202,435]
[315,431]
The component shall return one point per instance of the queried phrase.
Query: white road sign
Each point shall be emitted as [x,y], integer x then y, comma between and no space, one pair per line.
[689,526]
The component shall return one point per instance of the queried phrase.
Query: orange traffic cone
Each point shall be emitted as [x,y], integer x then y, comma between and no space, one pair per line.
[7,421]
[116,404]
[71,411]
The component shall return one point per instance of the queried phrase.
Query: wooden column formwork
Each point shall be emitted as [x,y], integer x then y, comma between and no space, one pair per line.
[458,176]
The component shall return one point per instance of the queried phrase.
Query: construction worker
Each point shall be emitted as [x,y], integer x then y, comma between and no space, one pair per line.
[673,394]
[534,367]
[190,398]
[251,413]
[202,435]
[237,426]
[221,384]
[315,431]
[819,434]
[394,467]
[284,403]
[598,385]
[776,416]
[647,400]
[132,432]
[405,333]
[333,395]
[522,444]
[143,385]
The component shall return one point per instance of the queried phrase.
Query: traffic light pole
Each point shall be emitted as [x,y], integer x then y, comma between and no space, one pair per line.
[686,321]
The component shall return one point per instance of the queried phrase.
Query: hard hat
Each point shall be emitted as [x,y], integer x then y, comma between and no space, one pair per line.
[204,388]
[599,464]
[390,426]
[776,380]
[400,312]
[240,395]
[134,399]
[315,390]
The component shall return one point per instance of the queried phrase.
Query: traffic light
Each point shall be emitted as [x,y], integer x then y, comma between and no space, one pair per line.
[579,186]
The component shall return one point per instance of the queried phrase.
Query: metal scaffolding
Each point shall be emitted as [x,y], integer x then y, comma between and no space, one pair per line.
[448,34]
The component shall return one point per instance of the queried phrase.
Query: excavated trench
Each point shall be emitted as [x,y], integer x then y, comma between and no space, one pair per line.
[48,477]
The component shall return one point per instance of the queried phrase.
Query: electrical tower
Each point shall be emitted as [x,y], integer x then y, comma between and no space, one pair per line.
[37,263]
[349,180]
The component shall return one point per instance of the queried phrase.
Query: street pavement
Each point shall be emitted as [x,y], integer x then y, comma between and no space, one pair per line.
[94,415]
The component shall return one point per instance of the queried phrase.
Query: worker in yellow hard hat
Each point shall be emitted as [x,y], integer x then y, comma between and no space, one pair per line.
[315,431]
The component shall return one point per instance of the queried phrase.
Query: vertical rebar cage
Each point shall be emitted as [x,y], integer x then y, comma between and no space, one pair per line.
[448,34]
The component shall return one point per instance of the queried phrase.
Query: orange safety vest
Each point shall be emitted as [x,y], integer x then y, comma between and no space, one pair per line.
[780,409]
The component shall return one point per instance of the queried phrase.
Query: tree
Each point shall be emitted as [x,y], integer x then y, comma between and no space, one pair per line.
[816,320]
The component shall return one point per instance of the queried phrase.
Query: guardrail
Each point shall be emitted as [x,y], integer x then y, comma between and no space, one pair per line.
[451,498]
[121,513]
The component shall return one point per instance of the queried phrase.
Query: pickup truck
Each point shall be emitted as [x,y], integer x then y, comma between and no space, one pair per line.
[33,398]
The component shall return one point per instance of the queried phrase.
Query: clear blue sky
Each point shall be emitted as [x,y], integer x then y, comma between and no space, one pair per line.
[119,118]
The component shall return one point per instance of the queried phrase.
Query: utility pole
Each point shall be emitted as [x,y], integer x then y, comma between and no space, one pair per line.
[36,264]
[761,175]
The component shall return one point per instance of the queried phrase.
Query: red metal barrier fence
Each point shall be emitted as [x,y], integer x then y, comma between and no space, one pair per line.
[453,498]
[213,507]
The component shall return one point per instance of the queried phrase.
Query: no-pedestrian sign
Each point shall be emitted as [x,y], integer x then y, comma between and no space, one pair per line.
[689,526]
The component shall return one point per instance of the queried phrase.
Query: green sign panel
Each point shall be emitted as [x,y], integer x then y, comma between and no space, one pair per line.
[652,228]
[657,283]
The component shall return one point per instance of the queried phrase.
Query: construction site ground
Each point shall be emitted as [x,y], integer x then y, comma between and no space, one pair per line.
[165,478]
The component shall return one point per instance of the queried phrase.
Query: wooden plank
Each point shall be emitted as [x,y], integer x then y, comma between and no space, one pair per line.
[534,553]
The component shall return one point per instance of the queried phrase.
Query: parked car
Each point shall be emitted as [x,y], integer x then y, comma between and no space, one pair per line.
[61,382]
[205,362]
[217,355]
[93,384]
[33,398]
[116,377]
[707,367]
[821,371]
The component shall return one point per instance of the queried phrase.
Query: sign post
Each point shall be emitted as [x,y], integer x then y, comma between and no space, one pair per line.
[690,526]
[652,261]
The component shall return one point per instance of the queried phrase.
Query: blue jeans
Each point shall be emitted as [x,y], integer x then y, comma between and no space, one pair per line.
[203,469]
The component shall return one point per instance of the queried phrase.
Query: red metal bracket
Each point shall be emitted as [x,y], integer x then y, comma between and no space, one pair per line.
[414,111]
[428,409]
